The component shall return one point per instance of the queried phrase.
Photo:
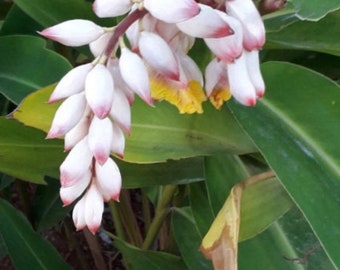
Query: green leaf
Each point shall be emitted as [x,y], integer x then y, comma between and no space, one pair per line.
[282,244]
[51,12]
[47,208]
[13,23]
[138,259]
[319,36]
[261,203]
[175,172]
[157,134]
[188,239]
[27,249]
[280,19]
[314,10]
[296,128]
[20,73]
[25,154]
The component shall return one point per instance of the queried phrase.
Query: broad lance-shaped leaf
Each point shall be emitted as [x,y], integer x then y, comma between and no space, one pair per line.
[256,203]
[26,248]
[296,127]
[55,11]
[139,259]
[314,10]
[157,134]
[21,73]
[319,36]
[25,154]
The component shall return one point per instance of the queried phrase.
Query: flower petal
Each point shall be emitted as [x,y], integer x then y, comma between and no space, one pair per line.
[230,47]
[74,32]
[206,24]
[253,65]
[99,89]
[253,28]
[158,54]
[172,11]
[67,116]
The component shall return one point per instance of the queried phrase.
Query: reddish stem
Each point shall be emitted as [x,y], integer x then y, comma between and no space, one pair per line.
[122,27]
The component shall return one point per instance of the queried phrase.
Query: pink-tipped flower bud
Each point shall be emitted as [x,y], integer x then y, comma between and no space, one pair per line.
[78,214]
[253,28]
[99,89]
[94,208]
[100,138]
[157,53]
[76,164]
[134,74]
[72,83]
[67,116]
[118,141]
[240,84]
[111,8]
[70,193]
[109,179]
[121,111]
[79,131]
[172,11]
[206,24]
[230,47]
[253,66]
[74,32]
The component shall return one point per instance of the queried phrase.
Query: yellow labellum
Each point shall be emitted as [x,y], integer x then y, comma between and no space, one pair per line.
[219,96]
[188,99]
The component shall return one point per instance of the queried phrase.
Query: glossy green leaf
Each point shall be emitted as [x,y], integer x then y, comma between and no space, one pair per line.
[321,36]
[201,208]
[175,172]
[27,249]
[138,259]
[47,208]
[13,23]
[280,19]
[314,10]
[279,247]
[157,134]
[20,73]
[51,12]
[296,128]
[261,203]
[25,154]
[188,239]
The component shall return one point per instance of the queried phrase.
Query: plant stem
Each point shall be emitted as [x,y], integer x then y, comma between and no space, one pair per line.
[162,211]
[73,244]
[116,220]
[129,221]
[95,249]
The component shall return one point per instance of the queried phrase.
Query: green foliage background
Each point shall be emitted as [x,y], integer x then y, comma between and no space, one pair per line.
[294,131]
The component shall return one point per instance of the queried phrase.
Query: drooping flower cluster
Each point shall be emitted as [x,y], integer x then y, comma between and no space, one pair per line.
[155,65]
